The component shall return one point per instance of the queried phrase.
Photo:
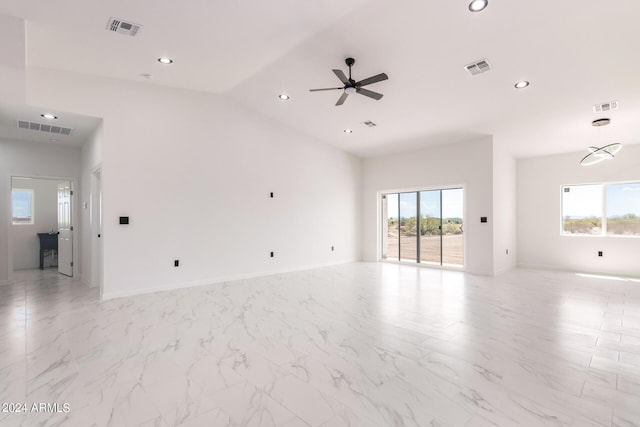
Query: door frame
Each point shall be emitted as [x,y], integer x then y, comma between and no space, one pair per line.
[379,213]
[95,213]
[74,217]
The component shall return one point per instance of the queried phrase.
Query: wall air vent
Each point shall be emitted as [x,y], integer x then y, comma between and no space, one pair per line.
[478,67]
[43,127]
[607,106]
[369,123]
[123,27]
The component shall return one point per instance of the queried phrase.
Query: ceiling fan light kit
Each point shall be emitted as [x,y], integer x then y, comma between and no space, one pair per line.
[351,86]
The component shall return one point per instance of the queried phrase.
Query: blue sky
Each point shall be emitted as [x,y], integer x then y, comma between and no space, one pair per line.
[21,202]
[623,199]
[586,200]
[452,204]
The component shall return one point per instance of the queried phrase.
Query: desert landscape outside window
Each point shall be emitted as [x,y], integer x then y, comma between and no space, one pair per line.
[423,227]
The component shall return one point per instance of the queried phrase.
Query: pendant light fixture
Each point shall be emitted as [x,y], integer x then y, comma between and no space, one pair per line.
[598,154]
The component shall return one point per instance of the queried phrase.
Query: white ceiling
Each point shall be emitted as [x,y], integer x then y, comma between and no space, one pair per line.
[576,53]
[82,126]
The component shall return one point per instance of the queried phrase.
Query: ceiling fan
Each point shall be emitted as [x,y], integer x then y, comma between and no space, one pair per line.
[351,86]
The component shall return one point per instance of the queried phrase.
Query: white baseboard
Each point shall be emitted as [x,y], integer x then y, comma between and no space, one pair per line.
[86,281]
[504,269]
[211,281]
[581,271]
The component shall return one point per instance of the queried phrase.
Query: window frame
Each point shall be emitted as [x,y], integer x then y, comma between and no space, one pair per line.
[604,230]
[33,207]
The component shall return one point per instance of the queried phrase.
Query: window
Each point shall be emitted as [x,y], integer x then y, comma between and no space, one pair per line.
[582,209]
[22,206]
[601,209]
[623,209]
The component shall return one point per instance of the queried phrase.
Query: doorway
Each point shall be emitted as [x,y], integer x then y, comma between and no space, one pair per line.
[425,227]
[41,227]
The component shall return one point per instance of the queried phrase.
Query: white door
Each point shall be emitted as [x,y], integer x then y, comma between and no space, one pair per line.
[65,230]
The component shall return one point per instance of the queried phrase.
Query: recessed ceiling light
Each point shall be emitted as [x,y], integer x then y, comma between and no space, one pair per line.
[48,116]
[283,96]
[165,60]
[478,5]
[348,131]
[521,85]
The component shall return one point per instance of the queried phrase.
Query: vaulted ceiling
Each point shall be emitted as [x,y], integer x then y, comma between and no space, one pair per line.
[574,53]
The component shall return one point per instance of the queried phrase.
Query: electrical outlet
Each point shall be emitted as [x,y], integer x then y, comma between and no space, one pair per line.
[332,248]
[271,194]
[176,263]
[272,254]
[599,253]
[507,251]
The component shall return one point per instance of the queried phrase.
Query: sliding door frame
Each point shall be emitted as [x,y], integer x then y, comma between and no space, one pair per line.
[380,250]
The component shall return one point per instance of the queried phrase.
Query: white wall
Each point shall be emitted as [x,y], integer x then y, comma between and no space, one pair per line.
[504,209]
[91,159]
[468,164]
[26,246]
[540,243]
[194,172]
[12,59]
[19,158]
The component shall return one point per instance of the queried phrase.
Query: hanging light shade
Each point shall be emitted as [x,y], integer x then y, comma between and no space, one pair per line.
[598,154]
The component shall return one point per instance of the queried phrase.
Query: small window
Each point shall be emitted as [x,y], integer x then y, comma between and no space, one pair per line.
[582,209]
[22,206]
[623,209]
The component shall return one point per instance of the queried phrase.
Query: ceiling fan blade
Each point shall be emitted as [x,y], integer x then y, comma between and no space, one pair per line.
[341,76]
[342,99]
[374,79]
[329,88]
[369,93]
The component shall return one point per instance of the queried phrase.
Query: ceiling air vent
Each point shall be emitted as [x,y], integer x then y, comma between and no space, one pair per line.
[607,106]
[42,127]
[369,123]
[478,67]
[123,27]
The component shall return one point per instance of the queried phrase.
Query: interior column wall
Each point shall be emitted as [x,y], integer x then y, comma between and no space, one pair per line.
[504,209]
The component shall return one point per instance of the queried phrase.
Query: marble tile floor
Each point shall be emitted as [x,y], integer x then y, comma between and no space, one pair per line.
[360,344]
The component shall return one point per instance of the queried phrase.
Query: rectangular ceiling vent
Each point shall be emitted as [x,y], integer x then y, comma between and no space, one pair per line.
[607,106]
[43,127]
[369,123]
[478,67]
[123,27]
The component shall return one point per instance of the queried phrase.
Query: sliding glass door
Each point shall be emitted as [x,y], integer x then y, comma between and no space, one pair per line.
[423,227]
[390,227]
[408,227]
[430,226]
[452,227]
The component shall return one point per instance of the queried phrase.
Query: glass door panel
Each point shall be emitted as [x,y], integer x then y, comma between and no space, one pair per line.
[430,224]
[390,224]
[452,227]
[408,227]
